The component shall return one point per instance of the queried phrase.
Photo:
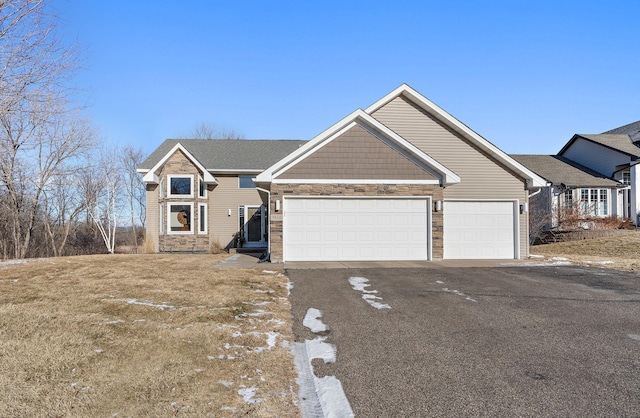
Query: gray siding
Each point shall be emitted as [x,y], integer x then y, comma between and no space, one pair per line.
[596,157]
[480,176]
[357,154]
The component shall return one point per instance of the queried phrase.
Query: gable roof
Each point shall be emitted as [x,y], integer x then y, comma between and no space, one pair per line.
[562,171]
[359,117]
[152,177]
[226,154]
[533,180]
[617,142]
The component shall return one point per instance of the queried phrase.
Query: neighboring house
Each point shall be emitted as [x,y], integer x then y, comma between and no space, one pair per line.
[401,180]
[570,185]
[616,154]
[200,192]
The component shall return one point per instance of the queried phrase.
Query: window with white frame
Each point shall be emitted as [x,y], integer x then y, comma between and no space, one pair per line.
[180,185]
[568,198]
[202,189]
[594,202]
[180,218]
[202,218]
[626,178]
[246,182]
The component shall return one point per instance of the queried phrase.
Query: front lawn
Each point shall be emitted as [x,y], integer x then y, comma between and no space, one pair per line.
[144,335]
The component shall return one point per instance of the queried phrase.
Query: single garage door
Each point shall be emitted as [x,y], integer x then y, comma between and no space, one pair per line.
[479,230]
[357,229]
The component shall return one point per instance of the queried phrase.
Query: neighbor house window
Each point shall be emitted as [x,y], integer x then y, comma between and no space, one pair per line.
[180,186]
[594,202]
[202,218]
[626,178]
[568,198]
[246,182]
[180,218]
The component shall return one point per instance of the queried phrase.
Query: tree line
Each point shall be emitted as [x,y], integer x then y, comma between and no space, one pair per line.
[62,191]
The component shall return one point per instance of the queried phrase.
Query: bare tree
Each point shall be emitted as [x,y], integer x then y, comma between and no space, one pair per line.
[103,191]
[208,131]
[130,159]
[39,134]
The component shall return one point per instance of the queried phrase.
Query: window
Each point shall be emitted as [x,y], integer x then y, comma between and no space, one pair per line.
[202,189]
[180,186]
[246,182]
[161,219]
[594,202]
[180,218]
[202,218]
[626,178]
[568,198]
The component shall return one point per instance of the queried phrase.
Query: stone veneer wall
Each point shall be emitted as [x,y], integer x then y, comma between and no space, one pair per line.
[178,163]
[278,191]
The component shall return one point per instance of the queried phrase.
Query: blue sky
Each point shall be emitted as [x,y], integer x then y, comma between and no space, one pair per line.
[524,75]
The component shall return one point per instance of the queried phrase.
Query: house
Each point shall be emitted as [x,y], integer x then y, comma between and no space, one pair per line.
[400,180]
[616,154]
[570,185]
[201,192]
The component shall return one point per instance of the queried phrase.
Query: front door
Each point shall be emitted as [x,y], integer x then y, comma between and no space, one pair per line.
[254,226]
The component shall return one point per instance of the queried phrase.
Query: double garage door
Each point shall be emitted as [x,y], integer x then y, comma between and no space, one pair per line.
[376,229]
[358,229]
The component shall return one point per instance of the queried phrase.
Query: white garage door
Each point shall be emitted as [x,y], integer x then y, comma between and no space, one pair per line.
[479,230]
[355,229]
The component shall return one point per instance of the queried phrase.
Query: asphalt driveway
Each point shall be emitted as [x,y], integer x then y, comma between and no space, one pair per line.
[502,341]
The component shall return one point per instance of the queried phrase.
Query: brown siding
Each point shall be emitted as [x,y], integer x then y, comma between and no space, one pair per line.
[278,191]
[481,177]
[152,233]
[226,195]
[357,154]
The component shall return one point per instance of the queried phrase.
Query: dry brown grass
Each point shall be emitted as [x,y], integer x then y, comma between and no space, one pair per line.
[143,335]
[623,250]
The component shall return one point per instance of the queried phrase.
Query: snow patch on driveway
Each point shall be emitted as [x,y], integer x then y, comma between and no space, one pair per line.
[319,397]
[360,284]
[312,321]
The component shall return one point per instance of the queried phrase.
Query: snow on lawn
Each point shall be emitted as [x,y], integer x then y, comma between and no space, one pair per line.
[360,284]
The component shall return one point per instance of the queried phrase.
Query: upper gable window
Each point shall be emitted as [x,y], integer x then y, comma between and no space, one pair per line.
[180,185]
[246,182]
[202,188]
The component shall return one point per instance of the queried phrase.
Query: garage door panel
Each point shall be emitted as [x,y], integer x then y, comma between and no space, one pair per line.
[366,229]
[479,230]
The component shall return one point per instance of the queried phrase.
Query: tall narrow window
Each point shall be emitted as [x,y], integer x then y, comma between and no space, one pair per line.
[602,203]
[568,198]
[202,218]
[202,188]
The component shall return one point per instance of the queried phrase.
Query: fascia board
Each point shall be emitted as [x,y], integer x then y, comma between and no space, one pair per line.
[150,176]
[532,179]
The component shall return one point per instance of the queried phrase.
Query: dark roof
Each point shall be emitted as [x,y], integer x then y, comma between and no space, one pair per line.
[619,142]
[228,154]
[560,170]
[632,129]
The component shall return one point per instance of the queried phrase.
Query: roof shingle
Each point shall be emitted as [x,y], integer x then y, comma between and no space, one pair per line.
[559,170]
[227,154]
